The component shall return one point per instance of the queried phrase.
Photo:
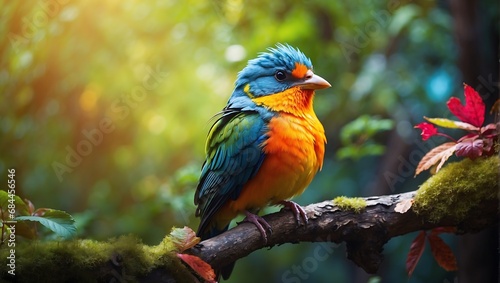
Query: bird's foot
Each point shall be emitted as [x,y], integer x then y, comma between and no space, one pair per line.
[259,222]
[297,210]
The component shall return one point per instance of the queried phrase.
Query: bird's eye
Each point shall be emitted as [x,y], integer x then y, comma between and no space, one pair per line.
[280,75]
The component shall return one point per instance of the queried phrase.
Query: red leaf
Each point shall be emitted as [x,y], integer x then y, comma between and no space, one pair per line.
[442,253]
[184,238]
[31,207]
[473,111]
[447,229]
[428,130]
[489,129]
[470,147]
[416,250]
[40,212]
[488,148]
[203,269]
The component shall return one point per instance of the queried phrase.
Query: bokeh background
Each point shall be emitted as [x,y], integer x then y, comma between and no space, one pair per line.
[106,104]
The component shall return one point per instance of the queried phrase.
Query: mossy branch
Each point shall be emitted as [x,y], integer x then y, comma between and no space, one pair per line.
[463,195]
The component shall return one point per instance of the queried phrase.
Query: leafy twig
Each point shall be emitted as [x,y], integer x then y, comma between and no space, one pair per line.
[478,141]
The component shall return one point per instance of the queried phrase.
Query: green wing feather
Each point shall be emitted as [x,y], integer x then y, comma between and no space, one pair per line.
[234,155]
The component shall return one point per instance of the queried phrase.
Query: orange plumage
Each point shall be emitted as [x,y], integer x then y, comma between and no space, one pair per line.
[294,153]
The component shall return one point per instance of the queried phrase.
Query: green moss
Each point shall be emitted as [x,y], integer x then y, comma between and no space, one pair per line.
[83,260]
[353,204]
[458,188]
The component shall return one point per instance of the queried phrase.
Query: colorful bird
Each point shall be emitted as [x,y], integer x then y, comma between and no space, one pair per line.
[265,146]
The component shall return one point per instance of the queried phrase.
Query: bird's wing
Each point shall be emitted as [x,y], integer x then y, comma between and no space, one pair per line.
[234,155]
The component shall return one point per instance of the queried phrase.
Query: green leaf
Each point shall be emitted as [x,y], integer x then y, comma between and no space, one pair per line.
[356,152]
[21,207]
[372,149]
[451,124]
[403,17]
[363,128]
[184,238]
[58,221]
[347,152]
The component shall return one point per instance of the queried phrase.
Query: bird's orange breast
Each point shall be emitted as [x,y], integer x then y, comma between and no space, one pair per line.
[294,154]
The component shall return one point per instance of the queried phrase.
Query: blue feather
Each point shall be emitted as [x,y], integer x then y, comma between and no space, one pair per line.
[259,72]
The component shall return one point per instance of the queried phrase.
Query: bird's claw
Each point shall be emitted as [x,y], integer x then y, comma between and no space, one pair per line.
[259,222]
[297,211]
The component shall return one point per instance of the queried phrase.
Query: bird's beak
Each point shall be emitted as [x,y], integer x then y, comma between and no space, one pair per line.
[312,81]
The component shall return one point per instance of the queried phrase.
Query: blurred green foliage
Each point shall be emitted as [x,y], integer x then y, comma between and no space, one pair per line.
[356,137]
[106,105]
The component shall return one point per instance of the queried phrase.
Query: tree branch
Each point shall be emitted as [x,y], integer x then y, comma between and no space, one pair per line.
[127,259]
[365,233]
[463,195]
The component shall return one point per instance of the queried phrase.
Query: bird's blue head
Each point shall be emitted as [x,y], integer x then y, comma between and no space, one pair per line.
[275,71]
